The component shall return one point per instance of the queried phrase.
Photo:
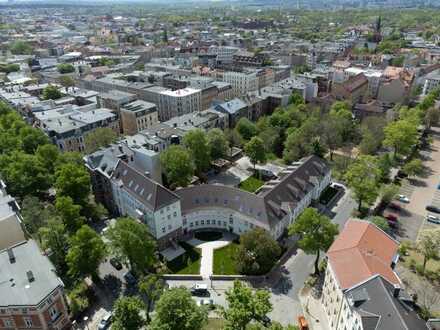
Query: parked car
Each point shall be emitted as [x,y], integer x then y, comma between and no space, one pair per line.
[402,174]
[403,199]
[105,321]
[391,217]
[433,219]
[200,290]
[394,206]
[433,208]
[130,278]
[116,263]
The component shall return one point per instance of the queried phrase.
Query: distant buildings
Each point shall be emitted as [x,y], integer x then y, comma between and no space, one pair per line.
[179,102]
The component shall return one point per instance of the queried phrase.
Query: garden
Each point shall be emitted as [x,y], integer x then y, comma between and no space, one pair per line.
[187,263]
[251,184]
[224,260]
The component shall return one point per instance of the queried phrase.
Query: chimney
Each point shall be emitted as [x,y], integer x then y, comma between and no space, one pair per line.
[30,276]
[11,256]
[396,290]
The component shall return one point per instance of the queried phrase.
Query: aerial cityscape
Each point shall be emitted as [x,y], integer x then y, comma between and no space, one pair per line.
[210,165]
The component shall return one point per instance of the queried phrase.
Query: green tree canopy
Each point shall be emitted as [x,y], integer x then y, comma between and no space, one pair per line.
[246,128]
[363,178]
[86,252]
[400,135]
[316,232]
[20,47]
[65,68]
[218,144]
[257,252]
[176,309]
[100,137]
[381,223]
[131,241]
[245,306]
[32,138]
[178,165]
[255,150]
[51,93]
[152,287]
[428,244]
[197,143]
[34,214]
[73,181]
[69,213]
[127,314]
[54,237]
[414,167]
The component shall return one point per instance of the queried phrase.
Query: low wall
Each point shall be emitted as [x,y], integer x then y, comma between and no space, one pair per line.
[182,277]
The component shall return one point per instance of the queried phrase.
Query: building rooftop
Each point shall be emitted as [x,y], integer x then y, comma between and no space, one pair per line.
[233,106]
[180,92]
[360,251]
[28,278]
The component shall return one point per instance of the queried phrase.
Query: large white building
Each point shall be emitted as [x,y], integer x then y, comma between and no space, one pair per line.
[179,102]
[224,53]
[242,82]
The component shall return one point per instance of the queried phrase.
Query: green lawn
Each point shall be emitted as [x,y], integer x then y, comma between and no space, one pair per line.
[188,263]
[224,263]
[214,324]
[251,184]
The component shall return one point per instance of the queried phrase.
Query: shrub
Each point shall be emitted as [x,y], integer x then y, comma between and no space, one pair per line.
[78,299]
[403,248]
[412,265]
[419,269]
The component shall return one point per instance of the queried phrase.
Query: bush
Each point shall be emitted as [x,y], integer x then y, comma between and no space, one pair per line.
[419,269]
[412,265]
[79,301]
[403,248]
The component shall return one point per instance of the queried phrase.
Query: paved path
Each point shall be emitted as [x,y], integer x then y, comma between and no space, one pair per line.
[207,261]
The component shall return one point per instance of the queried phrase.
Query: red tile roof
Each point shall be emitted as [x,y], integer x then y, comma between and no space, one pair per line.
[361,251]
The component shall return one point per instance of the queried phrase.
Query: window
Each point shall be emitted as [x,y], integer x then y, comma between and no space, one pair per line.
[197,223]
[191,224]
[53,313]
[169,216]
[208,222]
[28,322]
[175,214]
[202,222]
[7,322]
[163,229]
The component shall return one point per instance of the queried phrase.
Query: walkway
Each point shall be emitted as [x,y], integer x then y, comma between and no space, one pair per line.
[207,262]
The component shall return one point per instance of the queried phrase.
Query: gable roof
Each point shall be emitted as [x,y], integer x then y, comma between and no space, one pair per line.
[383,308]
[355,82]
[147,191]
[361,251]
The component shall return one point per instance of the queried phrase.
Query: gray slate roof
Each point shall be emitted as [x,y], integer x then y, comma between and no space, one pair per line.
[380,310]
[15,288]
[150,193]
[268,206]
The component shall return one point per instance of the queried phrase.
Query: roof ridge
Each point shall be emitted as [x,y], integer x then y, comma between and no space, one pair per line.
[394,306]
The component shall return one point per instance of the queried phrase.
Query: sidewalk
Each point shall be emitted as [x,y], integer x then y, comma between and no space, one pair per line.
[313,311]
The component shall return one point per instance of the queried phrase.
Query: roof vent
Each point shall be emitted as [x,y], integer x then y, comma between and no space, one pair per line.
[11,256]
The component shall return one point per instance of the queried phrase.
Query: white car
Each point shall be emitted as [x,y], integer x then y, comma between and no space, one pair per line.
[105,321]
[433,219]
[403,199]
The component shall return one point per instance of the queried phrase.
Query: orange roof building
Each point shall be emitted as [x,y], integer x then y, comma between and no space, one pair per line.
[361,251]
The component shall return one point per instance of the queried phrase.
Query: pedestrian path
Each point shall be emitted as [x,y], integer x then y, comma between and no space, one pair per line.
[207,248]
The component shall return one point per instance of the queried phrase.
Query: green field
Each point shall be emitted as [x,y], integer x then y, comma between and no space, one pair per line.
[224,263]
[188,263]
[251,184]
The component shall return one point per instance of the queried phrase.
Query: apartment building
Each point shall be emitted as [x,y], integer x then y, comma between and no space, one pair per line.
[361,289]
[137,116]
[432,81]
[206,120]
[115,99]
[68,126]
[242,82]
[224,54]
[11,231]
[179,102]
[32,296]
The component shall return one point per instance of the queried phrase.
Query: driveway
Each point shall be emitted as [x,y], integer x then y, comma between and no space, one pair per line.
[207,261]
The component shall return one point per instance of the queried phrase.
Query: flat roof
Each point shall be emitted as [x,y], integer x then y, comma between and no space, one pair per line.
[180,92]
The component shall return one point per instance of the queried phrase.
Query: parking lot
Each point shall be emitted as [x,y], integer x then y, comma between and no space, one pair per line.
[421,192]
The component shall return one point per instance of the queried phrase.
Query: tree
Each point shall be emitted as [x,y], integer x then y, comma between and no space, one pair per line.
[197,143]
[8,68]
[257,252]
[73,181]
[48,155]
[428,244]
[233,137]
[432,117]
[331,134]
[400,135]
[53,237]
[296,99]
[246,128]
[362,176]
[51,93]
[413,168]
[255,150]
[100,137]
[152,287]
[127,314]
[79,301]
[245,306]
[372,135]
[24,175]
[20,47]
[34,214]
[176,309]
[131,241]
[218,144]
[65,68]
[178,165]
[381,223]
[388,192]
[32,138]
[316,232]
[66,81]
[86,252]
[69,213]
